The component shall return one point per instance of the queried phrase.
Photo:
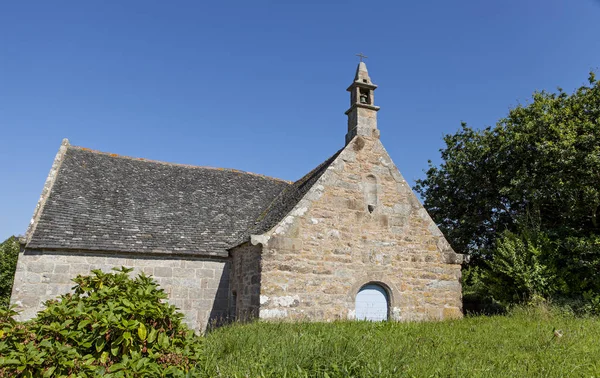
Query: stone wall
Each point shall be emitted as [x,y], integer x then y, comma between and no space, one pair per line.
[331,244]
[198,286]
[362,121]
[245,280]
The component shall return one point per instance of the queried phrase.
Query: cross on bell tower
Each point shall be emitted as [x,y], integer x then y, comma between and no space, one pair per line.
[362,115]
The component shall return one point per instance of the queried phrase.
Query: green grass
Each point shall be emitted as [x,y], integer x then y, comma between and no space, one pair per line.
[522,344]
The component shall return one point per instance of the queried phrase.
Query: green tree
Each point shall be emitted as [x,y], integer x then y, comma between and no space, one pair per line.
[9,252]
[537,169]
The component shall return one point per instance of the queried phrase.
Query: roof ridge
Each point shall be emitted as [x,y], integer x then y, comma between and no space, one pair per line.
[178,164]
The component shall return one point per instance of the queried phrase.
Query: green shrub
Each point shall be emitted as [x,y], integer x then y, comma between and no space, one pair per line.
[591,302]
[530,266]
[111,325]
[9,252]
[477,299]
[578,261]
[519,270]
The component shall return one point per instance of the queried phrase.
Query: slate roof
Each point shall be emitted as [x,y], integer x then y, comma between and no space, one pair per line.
[107,202]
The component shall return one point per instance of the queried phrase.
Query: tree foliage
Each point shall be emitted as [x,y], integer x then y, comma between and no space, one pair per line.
[9,252]
[111,325]
[536,171]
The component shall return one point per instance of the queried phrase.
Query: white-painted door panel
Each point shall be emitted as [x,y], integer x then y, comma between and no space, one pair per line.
[372,303]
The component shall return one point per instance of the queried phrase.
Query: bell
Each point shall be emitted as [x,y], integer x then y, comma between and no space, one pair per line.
[363,99]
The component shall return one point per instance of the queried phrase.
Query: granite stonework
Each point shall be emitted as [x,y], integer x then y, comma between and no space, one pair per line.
[197,286]
[245,281]
[332,243]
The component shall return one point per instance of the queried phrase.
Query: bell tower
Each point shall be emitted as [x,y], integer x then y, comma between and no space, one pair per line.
[362,115]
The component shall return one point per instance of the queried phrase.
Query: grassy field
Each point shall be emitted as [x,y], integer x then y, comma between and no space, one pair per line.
[526,343]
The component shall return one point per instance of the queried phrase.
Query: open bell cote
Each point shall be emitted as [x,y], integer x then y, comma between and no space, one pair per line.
[362,115]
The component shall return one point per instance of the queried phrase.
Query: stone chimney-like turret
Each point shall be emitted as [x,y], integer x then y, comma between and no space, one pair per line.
[362,115]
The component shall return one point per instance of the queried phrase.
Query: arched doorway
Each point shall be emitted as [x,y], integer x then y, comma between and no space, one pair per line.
[372,303]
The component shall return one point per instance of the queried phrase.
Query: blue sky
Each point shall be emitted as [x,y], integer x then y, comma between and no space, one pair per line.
[260,86]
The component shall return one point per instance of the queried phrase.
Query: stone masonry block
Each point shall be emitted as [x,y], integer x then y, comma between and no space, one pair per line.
[117,262]
[164,282]
[210,292]
[61,278]
[55,290]
[202,305]
[187,282]
[184,273]
[179,292]
[40,266]
[287,244]
[205,273]
[61,268]
[32,301]
[163,271]
[213,265]
[82,268]
[35,290]
[33,278]
[96,260]
[193,264]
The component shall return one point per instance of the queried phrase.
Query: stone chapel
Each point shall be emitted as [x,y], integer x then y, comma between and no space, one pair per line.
[349,240]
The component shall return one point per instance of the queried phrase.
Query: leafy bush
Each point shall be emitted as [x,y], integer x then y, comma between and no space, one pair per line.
[592,303]
[578,262]
[529,267]
[519,270]
[111,325]
[476,296]
[9,252]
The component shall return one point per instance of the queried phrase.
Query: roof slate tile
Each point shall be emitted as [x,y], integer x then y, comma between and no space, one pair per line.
[107,202]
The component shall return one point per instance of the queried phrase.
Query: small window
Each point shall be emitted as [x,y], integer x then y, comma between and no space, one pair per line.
[371,193]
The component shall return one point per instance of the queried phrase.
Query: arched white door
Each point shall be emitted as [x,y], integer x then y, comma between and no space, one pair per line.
[372,303]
